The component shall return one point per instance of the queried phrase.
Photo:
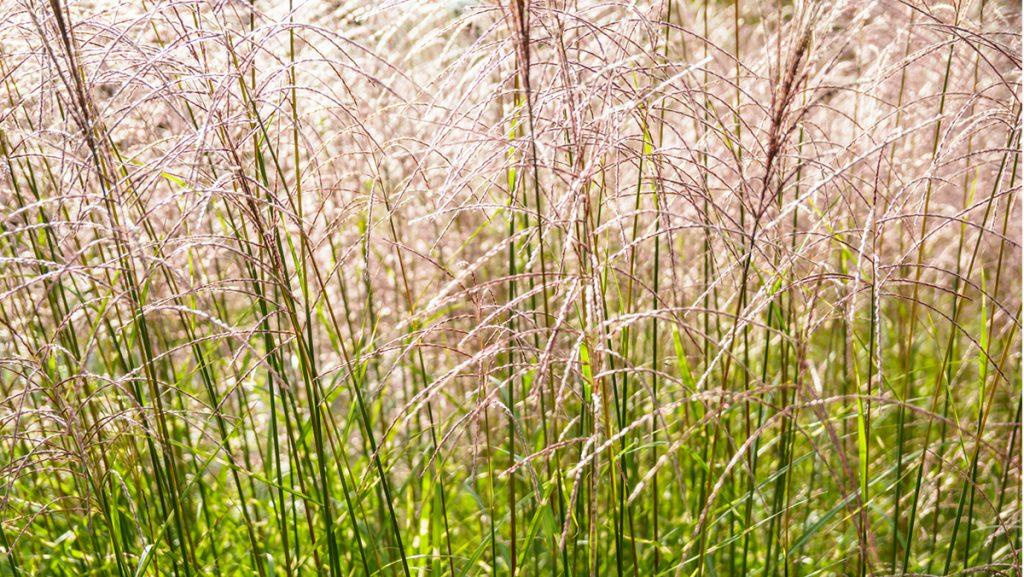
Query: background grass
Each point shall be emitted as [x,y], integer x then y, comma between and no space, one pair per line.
[510,288]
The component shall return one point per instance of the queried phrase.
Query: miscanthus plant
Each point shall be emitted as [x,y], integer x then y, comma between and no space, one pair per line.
[547,287]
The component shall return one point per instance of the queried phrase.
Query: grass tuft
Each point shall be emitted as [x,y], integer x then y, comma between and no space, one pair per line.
[524,288]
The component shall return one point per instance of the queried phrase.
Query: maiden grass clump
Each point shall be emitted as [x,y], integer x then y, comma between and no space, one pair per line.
[674,288]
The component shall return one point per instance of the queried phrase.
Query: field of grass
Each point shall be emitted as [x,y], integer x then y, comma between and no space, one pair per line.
[521,288]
